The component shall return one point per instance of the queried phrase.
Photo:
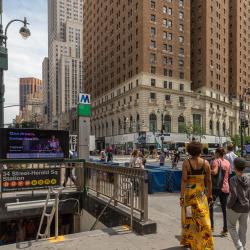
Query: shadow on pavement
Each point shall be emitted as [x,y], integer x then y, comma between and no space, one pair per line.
[174,248]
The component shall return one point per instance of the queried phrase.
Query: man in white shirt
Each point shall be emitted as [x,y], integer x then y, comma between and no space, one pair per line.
[230,156]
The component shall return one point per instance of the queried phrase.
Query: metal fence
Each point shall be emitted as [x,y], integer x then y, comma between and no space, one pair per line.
[116,182]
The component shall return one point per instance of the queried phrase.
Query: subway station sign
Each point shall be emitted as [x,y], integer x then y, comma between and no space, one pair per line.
[84,105]
[14,180]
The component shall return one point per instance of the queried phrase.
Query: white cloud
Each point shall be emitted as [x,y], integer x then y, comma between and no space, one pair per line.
[25,56]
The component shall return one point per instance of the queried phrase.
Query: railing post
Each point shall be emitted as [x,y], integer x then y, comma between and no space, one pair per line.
[144,196]
[116,188]
[98,183]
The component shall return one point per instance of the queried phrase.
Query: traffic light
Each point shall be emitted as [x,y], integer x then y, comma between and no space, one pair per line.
[244,124]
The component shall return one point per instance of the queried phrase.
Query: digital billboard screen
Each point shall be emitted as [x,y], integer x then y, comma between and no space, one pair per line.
[33,144]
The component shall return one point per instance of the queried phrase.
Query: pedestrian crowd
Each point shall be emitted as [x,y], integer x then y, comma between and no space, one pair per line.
[203,182]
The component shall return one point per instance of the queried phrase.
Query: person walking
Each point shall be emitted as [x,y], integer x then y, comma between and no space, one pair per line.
[103,156]
[238,204]
[162,158]
[196,192]
[176,159]
[109,156]
[136,160]
[230,156]
[69,170]
[220,170]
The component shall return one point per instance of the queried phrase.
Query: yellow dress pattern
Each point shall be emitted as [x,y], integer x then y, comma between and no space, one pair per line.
[196,226]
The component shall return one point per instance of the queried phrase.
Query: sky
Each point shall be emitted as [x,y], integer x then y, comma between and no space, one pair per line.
[25,56]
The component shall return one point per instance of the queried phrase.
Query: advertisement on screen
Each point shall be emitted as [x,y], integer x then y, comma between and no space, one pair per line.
[33,144]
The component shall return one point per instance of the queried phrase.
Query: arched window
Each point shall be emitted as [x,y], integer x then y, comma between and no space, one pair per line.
[99,130]
[152,122]
[181,124]
[131,124]
[224,128]
[138,123]
[119,126]
[167,123]
[107,127]
[103,132]
[218,127]
[112,127]
[211,127]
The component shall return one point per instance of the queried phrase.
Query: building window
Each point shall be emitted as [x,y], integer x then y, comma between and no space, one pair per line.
[181,75]
[153,31]
[167,124]
[197,120]
[153,18]
[167,98]
[153,81]
[181,87]
[181,15]
[153,44]
[181,124]
[152,4]
[211,127]
[170,85]
[152,96]
[153,69]
[152,58]
[181,99]
[165,84]
[224,128]
[181,39]
[218,128]
[152,123]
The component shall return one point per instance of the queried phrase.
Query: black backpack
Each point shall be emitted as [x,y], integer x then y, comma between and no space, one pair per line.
[217,180]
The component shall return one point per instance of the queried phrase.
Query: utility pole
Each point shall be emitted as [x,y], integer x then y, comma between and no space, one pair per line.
[25,32]
[3,54]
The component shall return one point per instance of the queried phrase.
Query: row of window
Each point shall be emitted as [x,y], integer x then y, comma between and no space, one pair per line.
[166,84]
[167,98]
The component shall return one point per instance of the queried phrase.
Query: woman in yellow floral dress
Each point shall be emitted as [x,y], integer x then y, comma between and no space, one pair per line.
[196,226]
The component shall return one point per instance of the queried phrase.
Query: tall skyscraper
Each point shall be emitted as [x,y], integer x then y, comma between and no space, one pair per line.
[239,47]
[65,25]
[210,47]
[137,60]
[27,86]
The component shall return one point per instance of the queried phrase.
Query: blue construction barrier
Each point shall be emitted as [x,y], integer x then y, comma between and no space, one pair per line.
[149,166]
[173,179]
[156,181]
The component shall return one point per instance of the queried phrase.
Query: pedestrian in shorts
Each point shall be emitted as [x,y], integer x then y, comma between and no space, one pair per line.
[238,206]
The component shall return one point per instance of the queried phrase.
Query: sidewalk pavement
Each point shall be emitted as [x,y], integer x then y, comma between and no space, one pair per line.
[163,208]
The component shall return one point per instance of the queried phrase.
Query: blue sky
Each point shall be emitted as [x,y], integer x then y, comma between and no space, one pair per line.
[25,56]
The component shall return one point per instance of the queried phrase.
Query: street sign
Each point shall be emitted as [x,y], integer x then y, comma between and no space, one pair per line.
[73,143]
[3,58]
[14,180]
[84,98]
[84,107]
[242,115]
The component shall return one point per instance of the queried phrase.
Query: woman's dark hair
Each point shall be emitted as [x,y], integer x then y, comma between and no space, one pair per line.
[220,151]
[194,148]
[205,151]
[230,147]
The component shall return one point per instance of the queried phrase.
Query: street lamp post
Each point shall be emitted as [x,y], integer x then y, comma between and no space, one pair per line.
[25,33]
[161,112]
[242,120]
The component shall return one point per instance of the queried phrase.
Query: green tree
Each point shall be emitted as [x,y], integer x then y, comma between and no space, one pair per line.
[194,130]
[236,140]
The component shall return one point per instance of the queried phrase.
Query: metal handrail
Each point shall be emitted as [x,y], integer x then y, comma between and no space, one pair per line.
[109,181]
